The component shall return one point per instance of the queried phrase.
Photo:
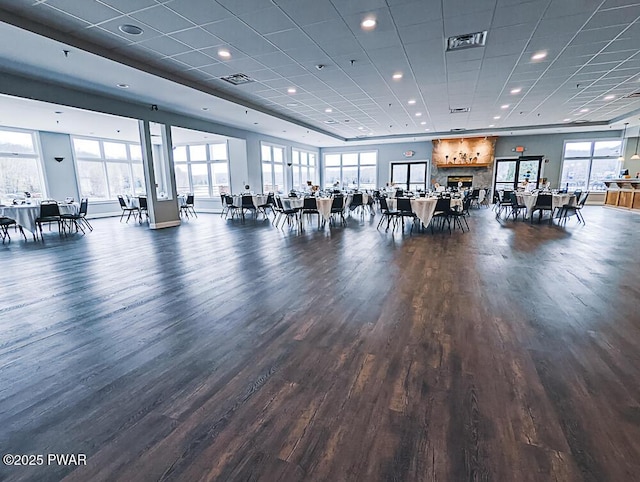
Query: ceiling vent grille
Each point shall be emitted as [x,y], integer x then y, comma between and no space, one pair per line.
[459,129]
[237,79]
[459,110]
[634,95]
[467,41]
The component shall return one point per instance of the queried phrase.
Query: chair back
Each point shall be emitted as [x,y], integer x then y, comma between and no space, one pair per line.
[247,202]
[544,201]
[338,202]
[310,204]
[279,202]
[49,209]
[84,204]
[404,205]
[383,204]
[123,203]
[228,199]
[583,200]
[190,200]
[270,199]
[356,200]
[475,193]
[443,205]
[577,193]
[142,202]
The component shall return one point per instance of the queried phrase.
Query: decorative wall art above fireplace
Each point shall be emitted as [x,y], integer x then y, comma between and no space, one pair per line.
[464,152]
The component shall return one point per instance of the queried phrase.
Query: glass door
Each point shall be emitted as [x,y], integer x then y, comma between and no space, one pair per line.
[410,176]
[511,172]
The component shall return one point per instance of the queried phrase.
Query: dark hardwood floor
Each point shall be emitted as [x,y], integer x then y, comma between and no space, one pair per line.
[228,351]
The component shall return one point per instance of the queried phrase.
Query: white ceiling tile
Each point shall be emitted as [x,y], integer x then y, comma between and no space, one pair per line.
[290,39]
[197,38]
[268,20]
[305,12]
[240,7]
[166,46]
[199,11]
[194,58]
[163,19]
[91,12]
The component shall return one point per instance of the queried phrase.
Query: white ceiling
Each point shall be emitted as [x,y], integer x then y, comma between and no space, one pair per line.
[591,46]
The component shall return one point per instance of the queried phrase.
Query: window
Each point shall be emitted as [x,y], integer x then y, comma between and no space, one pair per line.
[353,170]
[272,168]
[304,168]
[108,168]
[202,169]
[586,164]
[20,165]
[409,175]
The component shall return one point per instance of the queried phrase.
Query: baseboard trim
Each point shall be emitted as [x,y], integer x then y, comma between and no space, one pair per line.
[166,224]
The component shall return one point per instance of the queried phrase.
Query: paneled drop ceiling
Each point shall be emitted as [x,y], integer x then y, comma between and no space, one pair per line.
[545,62]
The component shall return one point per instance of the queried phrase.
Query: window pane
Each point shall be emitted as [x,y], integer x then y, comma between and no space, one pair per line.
[331,176]
[312,175]
[506,172]
[138,179]
[136,152]
[607,148]
[218,152]
[119,179]
[266,153]
[332,159]
[601,170]
[180,154]
[577,149]
[350,177]
[182,178]
[304,158]
[278,154]
[220,176]
[417,173]
[200,179]
[18,176]
[528,170]
[367,177]
[279,178]
[574,174]
[399,173]
[296,177]
[93,183]
[16,142]
[115,150]
[350,159]
[198,153]
[368,157]
[86,148]
[267,182]
[312,159]
[296,157]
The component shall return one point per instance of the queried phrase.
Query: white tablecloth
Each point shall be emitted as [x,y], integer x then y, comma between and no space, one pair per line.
[424,208]
[557,200]
[25,215]
[324,207]
[292,202]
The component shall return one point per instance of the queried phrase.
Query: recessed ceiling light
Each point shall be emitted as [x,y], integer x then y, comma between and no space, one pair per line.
[368,23]
[328,110]
[292,104]
[423,123]
[224,53]
[418,114]
[609,97]
[517,90]
[291,90]
[566,120]
[130,29]
[427,129]
[411,101]
[584,110]
[496,117]
[539,55]
[361,128]
[123,86]
[397,76]
[492,125]
[504,106]
[58,112]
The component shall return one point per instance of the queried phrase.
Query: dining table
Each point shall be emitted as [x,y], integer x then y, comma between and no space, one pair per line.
[529,199]
[423,207]
[256,199]
[25,215]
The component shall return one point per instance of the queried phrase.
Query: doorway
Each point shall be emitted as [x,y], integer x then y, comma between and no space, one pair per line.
[410,176]
[511,172]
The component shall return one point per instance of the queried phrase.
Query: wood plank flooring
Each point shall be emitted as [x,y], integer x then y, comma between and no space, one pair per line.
[224,351]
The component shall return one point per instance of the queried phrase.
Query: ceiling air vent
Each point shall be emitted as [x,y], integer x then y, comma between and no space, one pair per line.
[633,95]
[330,121]
[467,41]
[459,110]
[459,129]
[237,79]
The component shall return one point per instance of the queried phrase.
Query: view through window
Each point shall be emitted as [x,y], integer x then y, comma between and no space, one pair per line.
[20,168]
[587,164]
[352,170]
[272,168]
[303,168]
[202,169]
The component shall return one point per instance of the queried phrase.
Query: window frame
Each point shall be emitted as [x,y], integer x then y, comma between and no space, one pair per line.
[104,161]
[272,164]
[590,158]
[210,163]
[358,164]
[37,155]
[304,168]
[407,184]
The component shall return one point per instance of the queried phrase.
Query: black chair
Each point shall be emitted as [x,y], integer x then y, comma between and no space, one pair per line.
[49,213]
[290,214]
[188,206]
[247,205]
[268,205]
[475,196]
[143,208]
[79,219]
[460,215]
[568,210]
[404,210]
[126,209]
[544,202]
[5,222]
[502,202]
[386,214]
[356,202]
[337,207]
[516,207]
[310,207]
[231,208]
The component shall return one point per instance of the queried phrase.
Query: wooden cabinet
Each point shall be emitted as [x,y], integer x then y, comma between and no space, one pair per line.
[623,193]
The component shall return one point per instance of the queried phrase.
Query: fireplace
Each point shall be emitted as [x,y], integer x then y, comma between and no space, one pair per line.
[452,181]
